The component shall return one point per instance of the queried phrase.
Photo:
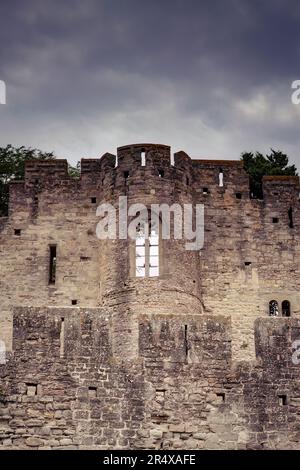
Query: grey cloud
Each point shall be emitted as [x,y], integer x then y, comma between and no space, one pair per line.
[210,77]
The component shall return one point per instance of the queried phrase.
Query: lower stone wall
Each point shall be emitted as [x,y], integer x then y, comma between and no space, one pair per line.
[68,386]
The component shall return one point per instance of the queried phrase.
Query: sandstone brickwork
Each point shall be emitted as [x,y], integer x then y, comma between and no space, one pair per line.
[187,360]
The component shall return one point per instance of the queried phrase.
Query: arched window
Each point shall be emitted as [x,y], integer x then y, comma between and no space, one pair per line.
[286,308]
[147,261]
[273,308]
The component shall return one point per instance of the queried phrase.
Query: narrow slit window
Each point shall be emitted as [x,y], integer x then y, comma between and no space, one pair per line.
[143,158]
[52,266]
[62,338]
[290,214]
[126,175]
[286,308]
[273,308]
[221,178]
[161,173]
[186,344]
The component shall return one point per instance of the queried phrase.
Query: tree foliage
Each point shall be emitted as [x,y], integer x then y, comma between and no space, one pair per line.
[74,171]
[12,167]
[258,165]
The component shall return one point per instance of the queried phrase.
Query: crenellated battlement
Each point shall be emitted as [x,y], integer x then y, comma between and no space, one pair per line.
[150,153]
[45,169]
[154,159]
[90,165]
[281,189]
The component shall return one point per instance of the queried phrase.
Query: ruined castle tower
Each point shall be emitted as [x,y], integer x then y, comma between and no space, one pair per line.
[114,344]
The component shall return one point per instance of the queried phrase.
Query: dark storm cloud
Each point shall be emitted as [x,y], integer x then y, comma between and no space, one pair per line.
[210,77]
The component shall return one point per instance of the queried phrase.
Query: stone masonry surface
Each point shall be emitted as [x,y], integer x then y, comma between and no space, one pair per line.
[190,359]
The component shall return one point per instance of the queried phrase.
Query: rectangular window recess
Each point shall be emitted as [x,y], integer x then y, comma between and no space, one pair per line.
[93,200]
[248,263]
[221,397]
[283,401]
[275,220]
[74,302]
[92,392]
[17,232]
[85,258]
[31,389]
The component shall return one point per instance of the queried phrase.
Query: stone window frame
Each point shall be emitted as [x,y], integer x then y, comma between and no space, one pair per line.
[161,255]
[280,308]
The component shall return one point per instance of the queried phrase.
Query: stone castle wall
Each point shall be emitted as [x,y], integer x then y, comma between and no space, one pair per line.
[188,359]
[68,386]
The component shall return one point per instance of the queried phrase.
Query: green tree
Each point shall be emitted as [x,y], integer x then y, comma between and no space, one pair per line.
[258,165]
[12,167]
[74,171]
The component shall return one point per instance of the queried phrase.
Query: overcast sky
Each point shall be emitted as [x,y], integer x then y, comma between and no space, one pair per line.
[212,78]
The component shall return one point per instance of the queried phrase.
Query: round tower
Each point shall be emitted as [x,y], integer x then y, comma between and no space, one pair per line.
[157,275]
